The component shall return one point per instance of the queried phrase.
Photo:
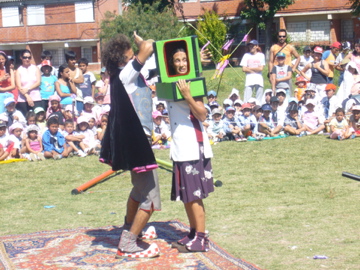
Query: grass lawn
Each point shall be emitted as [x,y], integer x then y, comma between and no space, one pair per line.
[282,201]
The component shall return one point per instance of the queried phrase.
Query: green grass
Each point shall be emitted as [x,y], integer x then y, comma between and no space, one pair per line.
[282,201]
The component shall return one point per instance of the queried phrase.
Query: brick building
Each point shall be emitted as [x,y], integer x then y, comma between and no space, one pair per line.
[56,25]
[307,21]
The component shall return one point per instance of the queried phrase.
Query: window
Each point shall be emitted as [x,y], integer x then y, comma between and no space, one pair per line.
[297,31]
[84,12]
[347,30]
[57,57]
[35,15]
[86,53]
[320,31]
[10,16]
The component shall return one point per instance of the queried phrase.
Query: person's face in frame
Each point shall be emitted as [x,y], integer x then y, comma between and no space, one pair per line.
[282,37]
[180,63]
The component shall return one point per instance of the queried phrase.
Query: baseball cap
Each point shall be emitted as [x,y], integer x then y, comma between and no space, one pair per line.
[88,100]
[216,111]
[318,49]
[246,106]
[46,63]
[211,92]
[346,45]
[266,107]
[280,54]
[32,128]
[256,108]
[230,109]
[330,86]
[254,42]
[280,91]
[300,79]
[70,108]
[2,123]
[252,100]
[228,102]
[336,45]
[274,99]
[292,99]
[293,107]
[307,48]
[97,95]
[8,100]
[156,114]
[214,104]
[356,108]
[103,70]
[38,109]
[238,101]
[310,101]
[82,119]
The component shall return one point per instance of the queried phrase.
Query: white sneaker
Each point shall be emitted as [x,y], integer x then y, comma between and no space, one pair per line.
[151,252]
[32,157]
[150,233]
[80,153]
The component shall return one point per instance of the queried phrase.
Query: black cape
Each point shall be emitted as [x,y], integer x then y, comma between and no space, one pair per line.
[124,145]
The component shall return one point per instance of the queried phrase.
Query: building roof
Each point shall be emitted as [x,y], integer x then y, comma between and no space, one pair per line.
[301,6]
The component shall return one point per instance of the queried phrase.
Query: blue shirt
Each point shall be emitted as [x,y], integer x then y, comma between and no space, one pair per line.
[47,86]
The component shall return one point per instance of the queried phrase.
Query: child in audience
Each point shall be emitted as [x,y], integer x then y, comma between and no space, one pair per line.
[73,139]
[276,117]
[293,124]
[30,118]
[88,86]
[237,105]
[314,122]
[355,120]
[211,97]
[88,108]
[234,95]
[339,127]
[161,133]
[55,109]
[6,145]
[257,113]
[40,119]
[227,103]
[103,125]
[266,96]
[329,104]
[76,77]
[54,141]
[266,123]
[281,75]
[15,131]
[47,85]
[33,144]
[103,85]
[11,113]
[70,113]
[88,142]
[299,91]
[215,129]
[232,126]
[247,120]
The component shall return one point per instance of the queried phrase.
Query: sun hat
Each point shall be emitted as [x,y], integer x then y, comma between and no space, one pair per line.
[300,79]
[292,99]
[216,111]
[97,95]
[82,119]
[32,128]
[156,114]
[256,108]
[38,109]
[266,107]
[15,126]
[311,87]
[211,92]
[2,123]
[8,101]
[310,101]
[330,86]
[318,49]
[88,100]
[246,106]
[280,91]
[238,101]
[252,100]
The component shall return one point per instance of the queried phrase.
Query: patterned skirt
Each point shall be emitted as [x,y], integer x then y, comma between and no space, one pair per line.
[192,180]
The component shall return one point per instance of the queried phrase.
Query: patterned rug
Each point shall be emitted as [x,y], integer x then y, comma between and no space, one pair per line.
[95,248]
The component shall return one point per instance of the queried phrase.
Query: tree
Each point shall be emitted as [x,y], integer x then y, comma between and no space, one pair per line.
[355,6]
[213,29]
[145,19]
[262,12]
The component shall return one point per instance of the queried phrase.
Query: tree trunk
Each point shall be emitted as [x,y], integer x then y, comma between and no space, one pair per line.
[268,37]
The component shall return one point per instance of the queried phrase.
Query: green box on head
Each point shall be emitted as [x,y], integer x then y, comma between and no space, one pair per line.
[166,87]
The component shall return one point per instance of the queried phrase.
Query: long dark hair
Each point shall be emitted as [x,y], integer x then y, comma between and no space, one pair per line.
[61,70]
[171,60]
[354,51]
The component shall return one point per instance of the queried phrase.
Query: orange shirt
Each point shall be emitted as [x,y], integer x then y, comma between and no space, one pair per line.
[287,51]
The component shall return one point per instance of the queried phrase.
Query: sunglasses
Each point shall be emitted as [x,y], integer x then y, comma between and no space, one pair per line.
[26,57]
[282,36]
